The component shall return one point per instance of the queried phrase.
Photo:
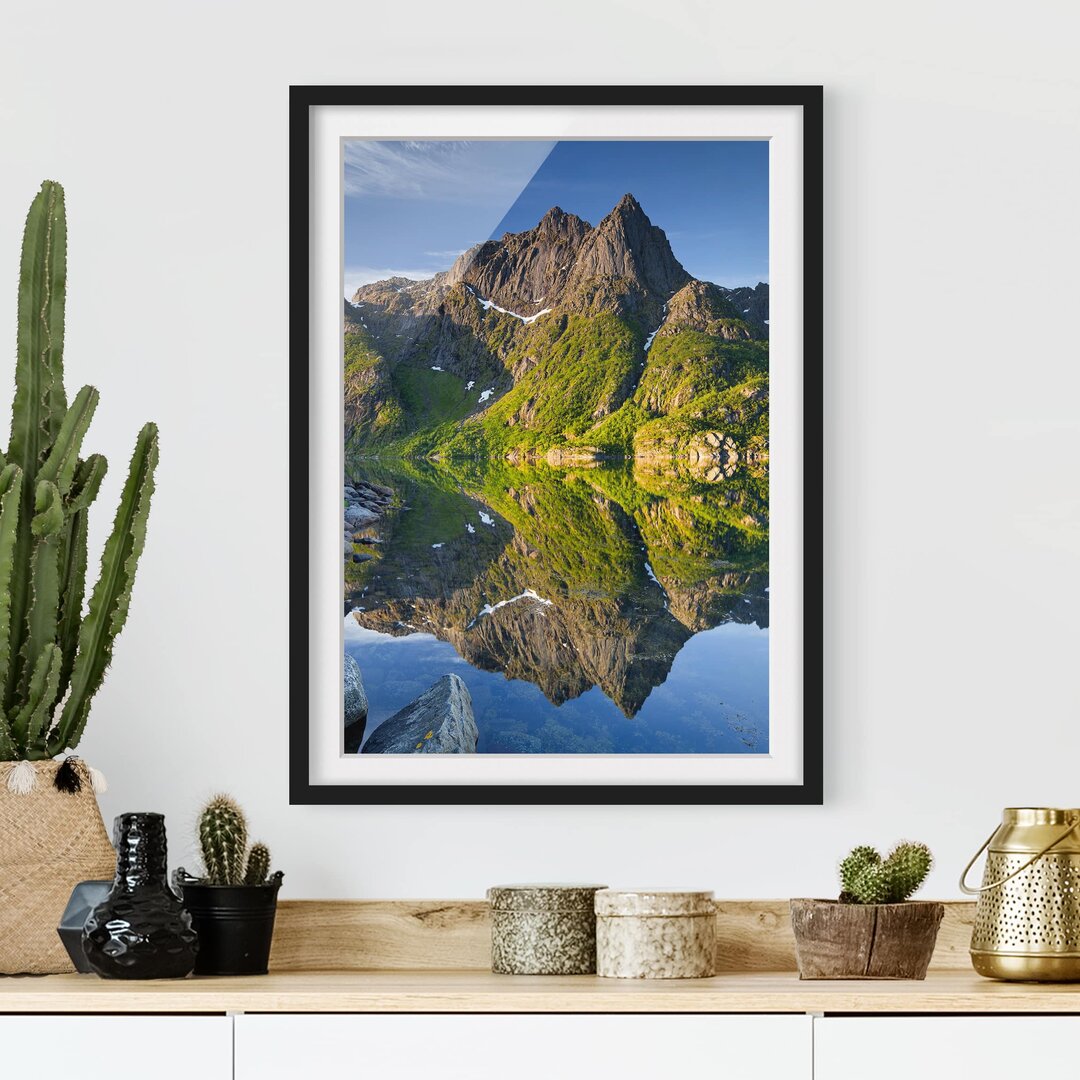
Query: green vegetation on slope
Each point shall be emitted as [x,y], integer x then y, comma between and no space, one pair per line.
[373,414]
[574,381]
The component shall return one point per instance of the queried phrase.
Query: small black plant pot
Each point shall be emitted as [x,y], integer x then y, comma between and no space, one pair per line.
[235,924]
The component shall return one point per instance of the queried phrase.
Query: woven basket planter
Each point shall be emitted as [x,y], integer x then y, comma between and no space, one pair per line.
[50,840]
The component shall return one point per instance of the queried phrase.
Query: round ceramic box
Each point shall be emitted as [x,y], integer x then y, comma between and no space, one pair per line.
[543,929]
[655,934]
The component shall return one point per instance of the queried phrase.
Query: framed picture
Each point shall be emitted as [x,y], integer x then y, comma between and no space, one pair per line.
[555,476]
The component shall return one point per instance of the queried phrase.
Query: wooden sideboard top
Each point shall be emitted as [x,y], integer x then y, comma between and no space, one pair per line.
[433,956]
[482,992]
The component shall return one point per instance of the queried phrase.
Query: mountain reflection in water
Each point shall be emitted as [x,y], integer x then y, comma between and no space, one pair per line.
[608,609]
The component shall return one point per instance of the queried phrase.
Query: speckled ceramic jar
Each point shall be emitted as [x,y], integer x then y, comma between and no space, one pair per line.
[655,934]
[543,929]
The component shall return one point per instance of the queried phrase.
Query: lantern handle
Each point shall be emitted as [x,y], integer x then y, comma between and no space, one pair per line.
[965,888]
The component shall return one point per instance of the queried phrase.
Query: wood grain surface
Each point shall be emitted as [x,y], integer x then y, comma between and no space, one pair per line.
[440,935]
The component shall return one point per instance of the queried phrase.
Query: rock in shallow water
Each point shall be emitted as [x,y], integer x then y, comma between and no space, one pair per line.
[356,706]
[357,516]
[439,721]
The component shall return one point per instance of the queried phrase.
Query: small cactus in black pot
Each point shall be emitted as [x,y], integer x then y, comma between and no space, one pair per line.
[233,904]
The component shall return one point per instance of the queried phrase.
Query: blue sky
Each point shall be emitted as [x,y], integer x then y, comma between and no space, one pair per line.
[412,207]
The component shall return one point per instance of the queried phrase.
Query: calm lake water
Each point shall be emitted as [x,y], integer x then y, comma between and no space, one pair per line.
[595,610]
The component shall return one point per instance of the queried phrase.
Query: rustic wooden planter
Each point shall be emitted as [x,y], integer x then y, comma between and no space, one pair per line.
[864,941]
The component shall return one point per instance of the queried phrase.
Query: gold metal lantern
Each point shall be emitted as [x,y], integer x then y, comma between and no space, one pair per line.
[1027,919]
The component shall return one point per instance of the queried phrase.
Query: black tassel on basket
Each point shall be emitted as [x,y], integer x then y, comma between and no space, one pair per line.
[68,778]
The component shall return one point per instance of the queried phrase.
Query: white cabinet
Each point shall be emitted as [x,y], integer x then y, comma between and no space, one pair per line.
[945,1047]
[527,1047]
[116,1047]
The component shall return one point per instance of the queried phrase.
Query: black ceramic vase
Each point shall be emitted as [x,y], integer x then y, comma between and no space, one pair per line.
[140,930]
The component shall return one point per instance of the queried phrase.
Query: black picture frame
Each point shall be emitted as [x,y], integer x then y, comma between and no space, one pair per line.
[301,100]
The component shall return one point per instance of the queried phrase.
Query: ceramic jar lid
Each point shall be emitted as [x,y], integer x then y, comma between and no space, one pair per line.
[653,903]
[543,897]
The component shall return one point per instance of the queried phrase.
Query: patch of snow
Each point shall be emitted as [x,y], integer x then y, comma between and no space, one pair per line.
[470,384]
[649,339]
[487,519]
[746,311]
[490,305]
[469,527]
[436,545]
[528,594]
[485,395]
[434,368]
[649,571]
[766,322]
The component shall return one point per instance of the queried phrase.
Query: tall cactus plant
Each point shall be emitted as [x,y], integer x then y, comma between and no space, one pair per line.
[53,657]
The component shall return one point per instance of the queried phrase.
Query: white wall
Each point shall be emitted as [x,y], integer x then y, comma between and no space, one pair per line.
[952,424]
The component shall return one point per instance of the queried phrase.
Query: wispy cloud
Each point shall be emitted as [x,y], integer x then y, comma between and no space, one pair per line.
[448,170]
[446,256]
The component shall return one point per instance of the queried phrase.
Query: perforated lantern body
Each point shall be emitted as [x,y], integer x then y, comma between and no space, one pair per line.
[1027,919]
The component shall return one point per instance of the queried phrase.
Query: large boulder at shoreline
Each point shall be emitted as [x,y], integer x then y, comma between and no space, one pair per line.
[439,721]
[356,706]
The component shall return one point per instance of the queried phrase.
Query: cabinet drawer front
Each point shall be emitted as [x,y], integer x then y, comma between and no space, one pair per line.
[945,1047]
[116,1047]
[451,1047]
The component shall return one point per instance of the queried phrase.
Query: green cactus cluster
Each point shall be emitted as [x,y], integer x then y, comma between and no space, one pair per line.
[223,839]
[867,878]
[53,658]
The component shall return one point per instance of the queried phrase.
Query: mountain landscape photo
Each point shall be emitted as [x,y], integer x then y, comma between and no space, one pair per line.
[555,502]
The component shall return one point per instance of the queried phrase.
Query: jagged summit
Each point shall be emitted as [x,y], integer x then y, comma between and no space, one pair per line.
[628,205]
[624,263]
[558,222]
[628,246]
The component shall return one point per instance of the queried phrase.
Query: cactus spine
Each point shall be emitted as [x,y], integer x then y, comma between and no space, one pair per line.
[223,835]
[52,660]
[258,865]
[866,878]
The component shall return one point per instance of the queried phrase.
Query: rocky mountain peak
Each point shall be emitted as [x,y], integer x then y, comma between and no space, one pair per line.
[624,265]
[627,245]
[628,206]
[557,222]
[707,308]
